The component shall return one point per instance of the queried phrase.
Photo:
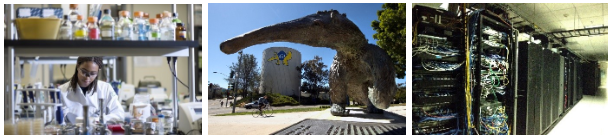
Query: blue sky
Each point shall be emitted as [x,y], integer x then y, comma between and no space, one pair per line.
[229,20]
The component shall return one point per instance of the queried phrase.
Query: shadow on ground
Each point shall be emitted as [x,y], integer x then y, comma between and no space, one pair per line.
[361,113]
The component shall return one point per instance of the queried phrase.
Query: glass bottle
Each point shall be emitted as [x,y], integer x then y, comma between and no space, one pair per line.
[154,31]
[175,18]
[93,30]
[168,28]
[139,26]
[80,29]
[107,25]
[65,32]
[159,17]
[168,121]
[74,13]
[123,30]
[181,32]
[147,24]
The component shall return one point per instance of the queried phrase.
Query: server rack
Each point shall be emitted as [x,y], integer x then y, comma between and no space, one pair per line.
[438,72]
[493,97]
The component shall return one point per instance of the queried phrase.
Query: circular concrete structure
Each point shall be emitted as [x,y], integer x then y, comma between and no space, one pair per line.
[280,71]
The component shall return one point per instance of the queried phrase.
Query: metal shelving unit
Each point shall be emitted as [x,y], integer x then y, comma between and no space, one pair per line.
[437,91]
[29,48]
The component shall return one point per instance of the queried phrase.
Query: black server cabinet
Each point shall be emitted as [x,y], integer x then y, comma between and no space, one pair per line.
[529,82]
[590,76]
[540,82]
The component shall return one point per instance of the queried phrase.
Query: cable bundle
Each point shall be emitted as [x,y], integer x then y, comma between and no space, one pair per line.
[440,66]
[496,124]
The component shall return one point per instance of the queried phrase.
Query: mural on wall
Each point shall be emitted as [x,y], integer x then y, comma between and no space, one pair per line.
[279,74]
[282,56]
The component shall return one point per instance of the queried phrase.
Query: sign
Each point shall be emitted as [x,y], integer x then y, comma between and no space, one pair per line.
[282,56]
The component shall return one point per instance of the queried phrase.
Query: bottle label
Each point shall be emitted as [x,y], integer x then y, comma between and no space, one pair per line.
[155,35]
[80,33]
[107,33]
[181,35]
[94,33]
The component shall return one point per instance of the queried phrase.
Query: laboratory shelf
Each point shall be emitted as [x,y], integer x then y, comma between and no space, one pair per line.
[38,90]
[99,48]
[40,104]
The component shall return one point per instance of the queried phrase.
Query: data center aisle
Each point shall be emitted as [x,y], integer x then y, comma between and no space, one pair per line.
[591,116]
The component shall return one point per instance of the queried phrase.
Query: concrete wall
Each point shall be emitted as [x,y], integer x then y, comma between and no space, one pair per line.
[278,77]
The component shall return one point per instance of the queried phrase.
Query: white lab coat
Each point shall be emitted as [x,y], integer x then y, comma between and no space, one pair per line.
[74,100]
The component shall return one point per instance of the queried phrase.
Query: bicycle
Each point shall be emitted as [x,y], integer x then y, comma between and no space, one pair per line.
[266,111]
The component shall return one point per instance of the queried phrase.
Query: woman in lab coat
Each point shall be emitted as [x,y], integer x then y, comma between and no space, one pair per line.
[84,88]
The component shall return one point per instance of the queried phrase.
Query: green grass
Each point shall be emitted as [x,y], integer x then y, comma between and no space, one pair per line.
[276,111]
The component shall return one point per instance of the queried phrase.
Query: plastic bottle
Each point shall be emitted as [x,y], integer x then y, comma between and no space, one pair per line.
[154,31]
[65,32]
[140,31]
[80,29]
[73,13]
[123,30]
[93,30]
[181,32]
[107,25]
[160,125]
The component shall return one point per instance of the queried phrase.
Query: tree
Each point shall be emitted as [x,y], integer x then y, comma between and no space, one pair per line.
[391,34]
[247,73]
[315,73]
[215,89]
[401,93]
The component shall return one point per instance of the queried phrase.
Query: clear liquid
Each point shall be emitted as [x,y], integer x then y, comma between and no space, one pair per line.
[125,33]
[123,30]
[65,33]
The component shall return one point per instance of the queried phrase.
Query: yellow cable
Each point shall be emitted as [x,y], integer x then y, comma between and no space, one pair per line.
[468,95]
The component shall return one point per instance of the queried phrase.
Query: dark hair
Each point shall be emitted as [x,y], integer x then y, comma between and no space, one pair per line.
[75,79]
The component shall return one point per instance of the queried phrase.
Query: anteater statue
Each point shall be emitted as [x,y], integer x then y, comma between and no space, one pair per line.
[360,70]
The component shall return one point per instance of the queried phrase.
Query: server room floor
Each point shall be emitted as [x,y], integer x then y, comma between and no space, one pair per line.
[591,116]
